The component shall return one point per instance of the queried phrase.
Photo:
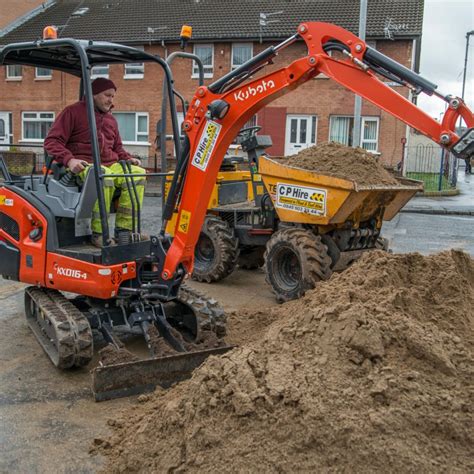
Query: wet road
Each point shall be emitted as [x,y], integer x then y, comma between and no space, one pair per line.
[429,233]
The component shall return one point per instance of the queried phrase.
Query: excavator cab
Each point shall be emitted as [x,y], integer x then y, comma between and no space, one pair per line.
[45,225]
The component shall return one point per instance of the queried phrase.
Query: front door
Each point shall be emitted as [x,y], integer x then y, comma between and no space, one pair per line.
[300,133]
[4,128]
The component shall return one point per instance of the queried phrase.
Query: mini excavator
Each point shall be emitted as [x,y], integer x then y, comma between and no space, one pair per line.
[137,287]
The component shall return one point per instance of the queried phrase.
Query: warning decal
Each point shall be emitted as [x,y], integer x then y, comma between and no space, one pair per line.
[184,219]
[301,199]
[206,145]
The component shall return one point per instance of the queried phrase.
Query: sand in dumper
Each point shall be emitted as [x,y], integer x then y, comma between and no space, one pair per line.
[340,161]
[370,371]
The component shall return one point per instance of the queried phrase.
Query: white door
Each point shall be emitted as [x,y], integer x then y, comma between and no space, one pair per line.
[300,133]
[4,128]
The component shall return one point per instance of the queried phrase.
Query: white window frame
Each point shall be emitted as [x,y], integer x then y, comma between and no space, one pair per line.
[137,133]
[39,77]
[37,119]
[136,66]
[364,119]
[233,66]
[376,141]
[207,75]
[10,77]
[180,117]
[95,75]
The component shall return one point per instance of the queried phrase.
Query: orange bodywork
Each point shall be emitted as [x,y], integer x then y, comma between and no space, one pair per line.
[52,270]
[209,139]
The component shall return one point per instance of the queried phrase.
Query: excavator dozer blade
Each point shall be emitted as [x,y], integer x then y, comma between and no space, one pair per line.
[133,378]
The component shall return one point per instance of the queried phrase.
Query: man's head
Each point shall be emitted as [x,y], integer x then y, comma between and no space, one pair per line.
[103,91]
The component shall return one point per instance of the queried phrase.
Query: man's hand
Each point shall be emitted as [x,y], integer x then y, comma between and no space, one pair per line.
[135,161]
[76,166]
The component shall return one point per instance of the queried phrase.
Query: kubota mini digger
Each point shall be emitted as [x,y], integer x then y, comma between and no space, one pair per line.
[138,286]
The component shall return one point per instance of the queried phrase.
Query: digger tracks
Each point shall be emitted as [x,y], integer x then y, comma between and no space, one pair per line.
[61,329]
[210,316]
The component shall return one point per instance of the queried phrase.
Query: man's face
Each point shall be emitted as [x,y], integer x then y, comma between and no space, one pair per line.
[104,100]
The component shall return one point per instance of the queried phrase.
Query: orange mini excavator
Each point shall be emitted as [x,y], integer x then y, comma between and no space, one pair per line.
[136,287]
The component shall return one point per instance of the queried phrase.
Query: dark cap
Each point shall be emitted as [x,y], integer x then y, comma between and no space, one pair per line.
[102,84]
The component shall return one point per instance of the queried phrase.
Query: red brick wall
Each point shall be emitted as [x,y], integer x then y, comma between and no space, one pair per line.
[273,123]
[321,97]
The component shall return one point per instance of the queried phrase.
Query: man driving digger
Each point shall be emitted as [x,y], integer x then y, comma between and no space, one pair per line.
[69,142]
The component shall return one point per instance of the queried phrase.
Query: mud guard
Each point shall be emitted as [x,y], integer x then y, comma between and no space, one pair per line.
[133,378]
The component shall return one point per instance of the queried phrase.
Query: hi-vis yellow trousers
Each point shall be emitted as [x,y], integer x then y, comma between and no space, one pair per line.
[123,218]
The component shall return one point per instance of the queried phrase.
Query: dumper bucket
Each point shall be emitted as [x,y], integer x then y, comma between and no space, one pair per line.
[305,196]
[133,378]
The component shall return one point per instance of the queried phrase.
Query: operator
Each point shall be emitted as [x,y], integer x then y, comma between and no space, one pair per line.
[69,142]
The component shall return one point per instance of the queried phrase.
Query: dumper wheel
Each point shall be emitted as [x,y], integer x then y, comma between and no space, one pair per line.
[295,260]
[217,251]
[251,258]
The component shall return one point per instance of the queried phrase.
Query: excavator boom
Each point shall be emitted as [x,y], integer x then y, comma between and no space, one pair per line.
[217,113]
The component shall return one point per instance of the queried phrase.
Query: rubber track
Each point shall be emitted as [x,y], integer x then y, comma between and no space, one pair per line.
[315,261]
[210,315]
[227,252]
[63,331]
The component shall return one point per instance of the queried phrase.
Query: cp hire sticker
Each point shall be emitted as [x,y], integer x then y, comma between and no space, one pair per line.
[301,199]
[206,145]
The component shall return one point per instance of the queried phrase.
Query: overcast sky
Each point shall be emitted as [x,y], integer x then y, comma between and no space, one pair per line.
[443,49]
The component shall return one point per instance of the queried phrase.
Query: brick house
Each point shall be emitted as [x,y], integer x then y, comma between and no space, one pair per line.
[225,34]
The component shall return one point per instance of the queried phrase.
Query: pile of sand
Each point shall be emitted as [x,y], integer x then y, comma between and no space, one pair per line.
[340,161]
[371,371]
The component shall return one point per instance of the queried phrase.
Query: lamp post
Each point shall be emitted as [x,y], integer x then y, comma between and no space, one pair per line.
[356,133]
[468,34]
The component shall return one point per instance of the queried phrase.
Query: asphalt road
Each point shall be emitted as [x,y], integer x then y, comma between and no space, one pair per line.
[429,233]
[47,417]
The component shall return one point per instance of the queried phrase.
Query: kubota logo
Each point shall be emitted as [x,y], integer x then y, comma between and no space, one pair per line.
[251,91]
[70,272]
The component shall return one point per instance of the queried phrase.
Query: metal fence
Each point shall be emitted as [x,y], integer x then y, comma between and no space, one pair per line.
[433,165]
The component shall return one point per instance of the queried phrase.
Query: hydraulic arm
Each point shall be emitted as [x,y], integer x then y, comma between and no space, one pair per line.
[218,112]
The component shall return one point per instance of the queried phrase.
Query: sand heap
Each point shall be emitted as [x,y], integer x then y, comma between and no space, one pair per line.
[341,161]
[371,371]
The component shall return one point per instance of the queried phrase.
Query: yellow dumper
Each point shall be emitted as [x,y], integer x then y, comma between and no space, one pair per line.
[325,223]
[299,224]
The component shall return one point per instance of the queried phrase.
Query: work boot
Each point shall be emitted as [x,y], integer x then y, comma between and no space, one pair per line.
[124,236]
[97,241]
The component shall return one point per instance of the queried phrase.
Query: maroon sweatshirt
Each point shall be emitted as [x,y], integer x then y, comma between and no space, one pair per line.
[69,137]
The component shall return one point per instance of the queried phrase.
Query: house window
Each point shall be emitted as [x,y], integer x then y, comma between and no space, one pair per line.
[14,71]
[180,117]
[135,70]
[100,71]
[340,130]
[35,125]
[205,52]
[133,126]
[43,73]
[241,52]
[370,133]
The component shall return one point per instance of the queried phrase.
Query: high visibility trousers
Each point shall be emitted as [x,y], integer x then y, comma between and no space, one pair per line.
[123,218]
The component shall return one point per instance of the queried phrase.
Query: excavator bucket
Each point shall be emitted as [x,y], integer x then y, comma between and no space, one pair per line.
[132,378]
